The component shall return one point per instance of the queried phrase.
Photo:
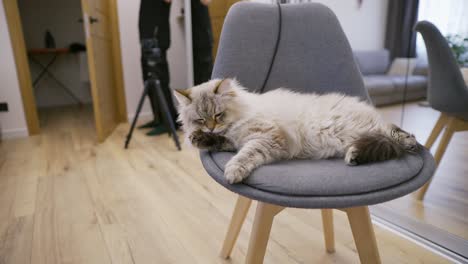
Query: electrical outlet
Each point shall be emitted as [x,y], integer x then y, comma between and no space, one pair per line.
[3,107]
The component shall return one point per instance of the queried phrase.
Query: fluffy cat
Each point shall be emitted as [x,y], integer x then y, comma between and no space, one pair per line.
[221,115]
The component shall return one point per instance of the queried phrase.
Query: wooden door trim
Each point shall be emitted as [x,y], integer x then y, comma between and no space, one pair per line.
[15,29]
[117,55]
[92,71]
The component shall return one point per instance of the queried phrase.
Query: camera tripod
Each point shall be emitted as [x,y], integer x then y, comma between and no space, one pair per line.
[151,56]
[154,84]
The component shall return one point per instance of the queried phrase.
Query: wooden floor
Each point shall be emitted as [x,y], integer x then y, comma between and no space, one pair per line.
[65,199]
[445,205]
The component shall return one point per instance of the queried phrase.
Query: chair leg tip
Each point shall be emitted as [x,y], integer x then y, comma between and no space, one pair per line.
[331,251]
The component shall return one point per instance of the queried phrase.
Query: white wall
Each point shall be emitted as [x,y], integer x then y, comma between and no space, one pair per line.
[61,19]
[130,44]
[12,123]
[364,26]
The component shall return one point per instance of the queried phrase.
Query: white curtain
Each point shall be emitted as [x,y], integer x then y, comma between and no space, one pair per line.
[449,16]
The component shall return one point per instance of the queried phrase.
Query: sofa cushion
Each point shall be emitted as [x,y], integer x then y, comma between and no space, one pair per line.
[378,84]
[384,89]
[400,66]
[414,83]
[373,62]
[397,97]
[421,68]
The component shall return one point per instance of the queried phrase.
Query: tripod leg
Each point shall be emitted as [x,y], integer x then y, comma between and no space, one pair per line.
[135,118]
[167,113]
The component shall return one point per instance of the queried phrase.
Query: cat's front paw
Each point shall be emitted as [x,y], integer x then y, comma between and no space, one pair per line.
[202,140]
[234,172]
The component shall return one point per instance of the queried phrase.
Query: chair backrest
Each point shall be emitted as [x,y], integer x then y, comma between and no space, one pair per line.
[312,52]
[447,91]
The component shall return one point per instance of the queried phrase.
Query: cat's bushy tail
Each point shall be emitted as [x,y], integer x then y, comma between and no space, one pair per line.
[380,146]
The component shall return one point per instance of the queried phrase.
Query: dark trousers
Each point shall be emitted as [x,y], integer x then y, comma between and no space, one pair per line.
[202,41]
[154,18]
[202,65]
[155,14]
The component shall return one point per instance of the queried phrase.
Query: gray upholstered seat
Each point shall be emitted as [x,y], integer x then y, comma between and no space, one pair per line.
[326,183]
[312,55]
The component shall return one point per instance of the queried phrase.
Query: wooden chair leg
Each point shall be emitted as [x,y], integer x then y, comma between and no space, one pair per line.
[363,233]
[237,219]
[461,125]
[440,124]
[261,232]
[328,230]
[444,141]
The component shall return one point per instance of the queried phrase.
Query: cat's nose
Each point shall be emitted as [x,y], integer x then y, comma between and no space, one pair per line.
[211,125]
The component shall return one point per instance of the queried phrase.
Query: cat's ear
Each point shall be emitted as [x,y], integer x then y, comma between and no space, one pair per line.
[183,96]
[224,87]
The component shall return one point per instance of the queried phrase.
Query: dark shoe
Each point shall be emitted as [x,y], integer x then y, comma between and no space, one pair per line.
[150,124]
[157,130]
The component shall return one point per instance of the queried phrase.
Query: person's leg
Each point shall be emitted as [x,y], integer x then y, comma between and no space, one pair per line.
[164,78]
[202,39]
[154,18]
[202,65]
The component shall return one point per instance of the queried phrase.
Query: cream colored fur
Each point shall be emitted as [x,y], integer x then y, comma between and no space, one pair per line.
[278,124]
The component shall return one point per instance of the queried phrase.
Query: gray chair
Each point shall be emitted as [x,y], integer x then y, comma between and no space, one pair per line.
[447,91]
[302,46]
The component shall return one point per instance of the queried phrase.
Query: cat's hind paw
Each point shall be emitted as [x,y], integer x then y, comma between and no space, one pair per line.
[406,140]
[410,144]
[351,157]
[235,172]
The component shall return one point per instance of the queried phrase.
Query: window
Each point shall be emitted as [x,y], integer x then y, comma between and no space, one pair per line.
[450,16]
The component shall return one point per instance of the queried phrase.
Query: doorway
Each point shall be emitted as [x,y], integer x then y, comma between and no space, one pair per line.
[57,61]
[68,62]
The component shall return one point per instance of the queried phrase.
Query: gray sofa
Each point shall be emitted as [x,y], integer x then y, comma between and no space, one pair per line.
[387,89]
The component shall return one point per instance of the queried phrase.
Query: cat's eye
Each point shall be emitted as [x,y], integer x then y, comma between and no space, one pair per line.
[219,115]
[200,121]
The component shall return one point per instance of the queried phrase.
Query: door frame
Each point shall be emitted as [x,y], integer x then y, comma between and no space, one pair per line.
[15,30]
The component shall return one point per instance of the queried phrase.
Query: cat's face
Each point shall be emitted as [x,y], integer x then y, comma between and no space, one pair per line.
[208,107]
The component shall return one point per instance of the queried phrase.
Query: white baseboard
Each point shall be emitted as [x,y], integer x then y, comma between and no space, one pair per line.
[14,133]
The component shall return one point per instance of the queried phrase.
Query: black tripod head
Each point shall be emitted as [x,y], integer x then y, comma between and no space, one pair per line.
[151,56]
